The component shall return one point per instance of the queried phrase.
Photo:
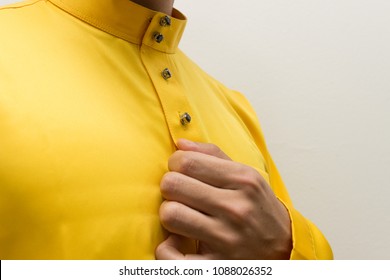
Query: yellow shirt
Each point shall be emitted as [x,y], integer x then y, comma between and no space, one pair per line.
[91,98]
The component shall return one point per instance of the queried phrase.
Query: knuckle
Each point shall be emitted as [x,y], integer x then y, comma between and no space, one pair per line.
[186,163]
[233,239]
[238,213]
[169,214]
[169,183]
[250,181]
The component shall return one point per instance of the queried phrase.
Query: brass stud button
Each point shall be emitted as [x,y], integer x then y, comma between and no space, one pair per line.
[165,21]
[185,118]
[158,37]
[166,74]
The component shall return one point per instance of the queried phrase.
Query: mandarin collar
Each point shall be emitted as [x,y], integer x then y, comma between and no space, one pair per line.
[129,21]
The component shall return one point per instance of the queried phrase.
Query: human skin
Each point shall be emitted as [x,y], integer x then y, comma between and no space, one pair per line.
[226,206]
[164,6]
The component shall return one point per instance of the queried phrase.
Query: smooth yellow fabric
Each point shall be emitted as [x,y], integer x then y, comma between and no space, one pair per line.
[87,124]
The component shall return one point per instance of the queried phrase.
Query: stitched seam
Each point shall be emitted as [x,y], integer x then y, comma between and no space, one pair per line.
[20,5]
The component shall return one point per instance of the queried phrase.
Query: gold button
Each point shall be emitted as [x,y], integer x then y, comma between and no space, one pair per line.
[165,21]
[158,37]
[166,74]
[185,118]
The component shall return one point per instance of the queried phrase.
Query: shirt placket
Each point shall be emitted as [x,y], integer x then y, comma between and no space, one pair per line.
[158,56]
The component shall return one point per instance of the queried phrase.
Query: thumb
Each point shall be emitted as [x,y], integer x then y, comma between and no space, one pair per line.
[170,248]
[204,148]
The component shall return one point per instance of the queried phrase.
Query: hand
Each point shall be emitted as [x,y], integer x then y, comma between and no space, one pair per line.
[227,206]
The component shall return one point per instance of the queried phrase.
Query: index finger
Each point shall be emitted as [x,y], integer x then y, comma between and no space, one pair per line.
[205,148]
[214,171]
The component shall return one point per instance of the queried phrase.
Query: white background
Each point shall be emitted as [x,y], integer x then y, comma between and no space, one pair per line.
[318,75]
[189,270]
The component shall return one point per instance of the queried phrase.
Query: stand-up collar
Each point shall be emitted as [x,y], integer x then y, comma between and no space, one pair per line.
[129,21]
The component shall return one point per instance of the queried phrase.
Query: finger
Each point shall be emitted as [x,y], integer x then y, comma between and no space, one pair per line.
[170,249]
[183,220]
[193,193]
[204,148]
[214,171]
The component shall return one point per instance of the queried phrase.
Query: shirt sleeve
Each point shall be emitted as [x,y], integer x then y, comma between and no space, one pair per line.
[308,241]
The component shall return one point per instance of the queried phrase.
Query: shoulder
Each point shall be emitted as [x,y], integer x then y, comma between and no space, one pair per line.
[236,99]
